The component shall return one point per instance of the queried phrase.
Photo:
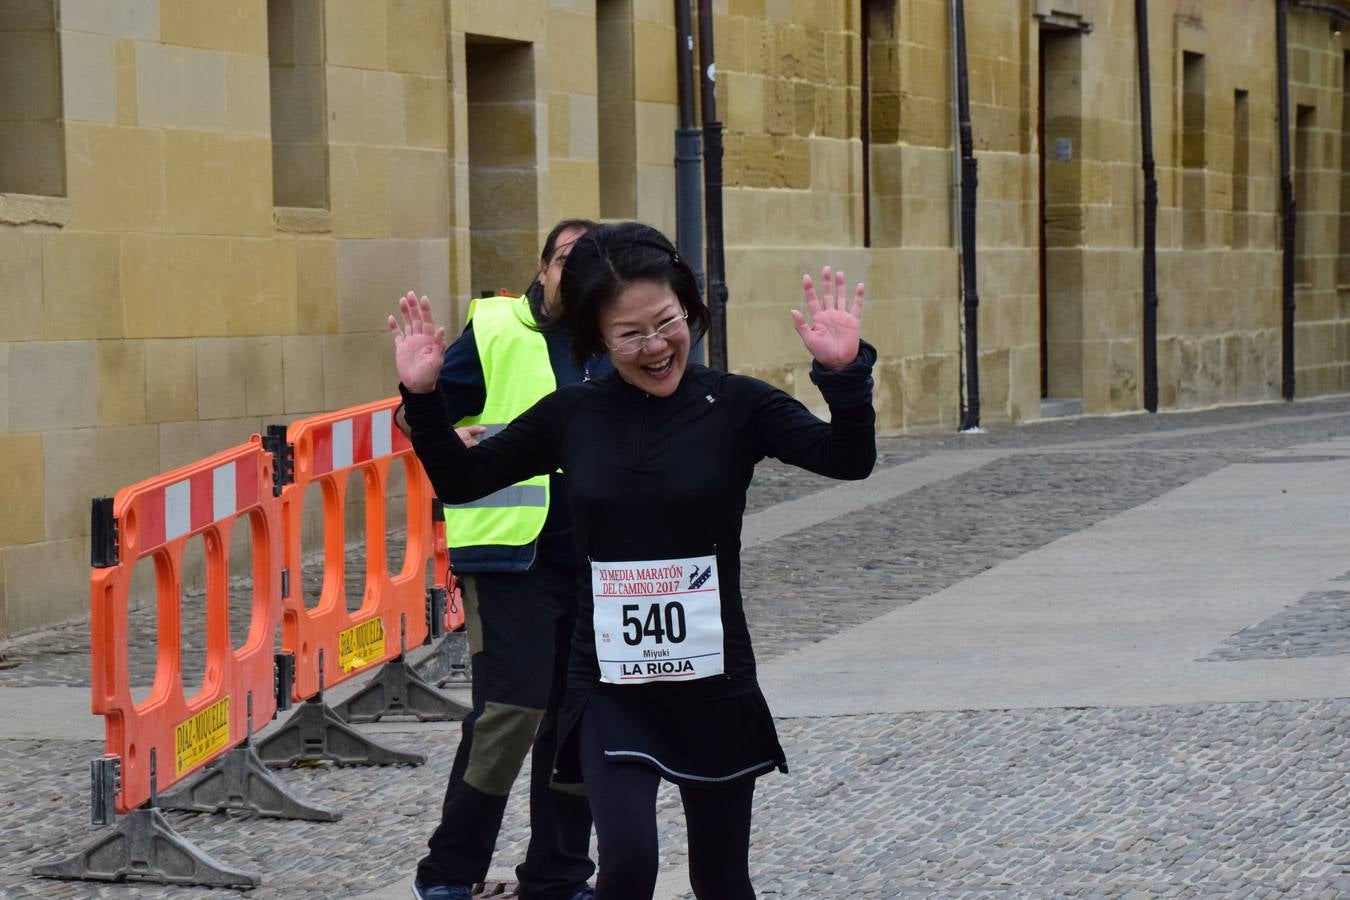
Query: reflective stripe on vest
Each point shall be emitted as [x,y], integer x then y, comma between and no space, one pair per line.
[515,495]
[517,372]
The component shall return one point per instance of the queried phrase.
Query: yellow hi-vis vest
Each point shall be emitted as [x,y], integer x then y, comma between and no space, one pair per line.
[517,372]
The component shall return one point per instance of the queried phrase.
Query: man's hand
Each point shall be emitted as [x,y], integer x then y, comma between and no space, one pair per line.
[419,346]
[469,434]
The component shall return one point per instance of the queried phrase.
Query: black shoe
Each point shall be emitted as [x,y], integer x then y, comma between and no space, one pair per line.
[441,891]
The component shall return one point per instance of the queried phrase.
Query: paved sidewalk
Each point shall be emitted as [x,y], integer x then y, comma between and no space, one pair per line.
[1125,613]
[1092,657]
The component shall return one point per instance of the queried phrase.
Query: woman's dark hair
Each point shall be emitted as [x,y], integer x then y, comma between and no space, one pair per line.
[603,263]
[535,292]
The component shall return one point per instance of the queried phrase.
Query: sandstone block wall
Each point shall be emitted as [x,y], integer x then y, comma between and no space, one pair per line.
[207,207]
[1055,96]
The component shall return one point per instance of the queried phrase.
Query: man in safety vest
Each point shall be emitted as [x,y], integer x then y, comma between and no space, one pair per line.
[513,551]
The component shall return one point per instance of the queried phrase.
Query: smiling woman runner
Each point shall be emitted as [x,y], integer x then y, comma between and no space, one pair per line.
[658,456]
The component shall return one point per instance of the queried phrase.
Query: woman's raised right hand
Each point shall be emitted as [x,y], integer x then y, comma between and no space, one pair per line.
[419,346]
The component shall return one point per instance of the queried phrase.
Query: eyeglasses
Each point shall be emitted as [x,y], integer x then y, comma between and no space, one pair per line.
[633,345]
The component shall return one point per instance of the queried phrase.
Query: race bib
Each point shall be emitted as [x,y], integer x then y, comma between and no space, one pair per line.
[659,620]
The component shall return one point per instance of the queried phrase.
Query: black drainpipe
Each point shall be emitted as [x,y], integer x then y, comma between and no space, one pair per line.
[1286,200]
[865,124]
[1150,213]
[970,412]
[688,156]
[712,191]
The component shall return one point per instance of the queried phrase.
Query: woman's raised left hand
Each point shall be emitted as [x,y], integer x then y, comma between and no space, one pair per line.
[832,334]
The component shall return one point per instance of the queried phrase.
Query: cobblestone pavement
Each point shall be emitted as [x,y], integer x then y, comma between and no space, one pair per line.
[1194,800]
[1317,625]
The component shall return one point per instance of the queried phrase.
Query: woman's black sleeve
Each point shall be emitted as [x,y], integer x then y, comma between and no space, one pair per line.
[459,474]
[846,446]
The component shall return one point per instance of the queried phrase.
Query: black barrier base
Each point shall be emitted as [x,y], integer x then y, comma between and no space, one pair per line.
[239,780]
[397,690]
[143,846]
[448,661]
[314,732]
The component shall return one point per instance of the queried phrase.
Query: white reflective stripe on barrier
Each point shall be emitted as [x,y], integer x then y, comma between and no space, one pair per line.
[381,438]
[223,496]
[177,510]
[342,444]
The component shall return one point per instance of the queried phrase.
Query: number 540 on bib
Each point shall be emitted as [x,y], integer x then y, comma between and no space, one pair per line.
[657,620]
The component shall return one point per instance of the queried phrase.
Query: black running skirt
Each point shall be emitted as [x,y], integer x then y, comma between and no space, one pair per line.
[691,741]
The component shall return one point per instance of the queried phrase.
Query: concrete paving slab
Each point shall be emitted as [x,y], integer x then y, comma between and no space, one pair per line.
[49,713]
[1116,615]
[1207,430]
[62,713]
[887,484]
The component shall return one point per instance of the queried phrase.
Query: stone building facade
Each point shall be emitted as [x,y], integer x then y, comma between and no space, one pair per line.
[207,206]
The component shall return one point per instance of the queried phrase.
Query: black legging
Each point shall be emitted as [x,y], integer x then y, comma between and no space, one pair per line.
[623,805]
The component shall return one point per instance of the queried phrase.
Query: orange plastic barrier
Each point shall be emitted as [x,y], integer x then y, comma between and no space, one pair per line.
[151,523]
[154,520]
[361,442]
